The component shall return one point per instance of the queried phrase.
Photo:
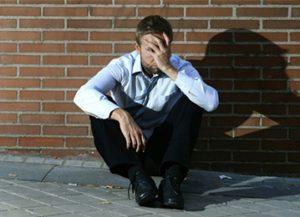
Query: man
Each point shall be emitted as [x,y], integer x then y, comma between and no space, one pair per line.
[152,116]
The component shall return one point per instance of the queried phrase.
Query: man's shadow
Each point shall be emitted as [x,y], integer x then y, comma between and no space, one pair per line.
[253,126]
[258,115]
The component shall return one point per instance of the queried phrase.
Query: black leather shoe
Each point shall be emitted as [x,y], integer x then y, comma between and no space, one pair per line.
[145,189]
[169,190]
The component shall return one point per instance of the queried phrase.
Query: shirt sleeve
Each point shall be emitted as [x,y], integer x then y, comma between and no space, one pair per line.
[191,84]
[91,96]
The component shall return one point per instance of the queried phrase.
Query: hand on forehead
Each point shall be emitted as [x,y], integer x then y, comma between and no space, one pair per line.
[156,38]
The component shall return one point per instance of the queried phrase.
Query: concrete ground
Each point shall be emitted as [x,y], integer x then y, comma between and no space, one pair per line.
[35,186]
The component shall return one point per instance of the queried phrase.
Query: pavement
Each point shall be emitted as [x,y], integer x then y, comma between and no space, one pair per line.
[33,186]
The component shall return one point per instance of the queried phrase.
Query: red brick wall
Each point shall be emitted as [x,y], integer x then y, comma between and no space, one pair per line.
[247,49]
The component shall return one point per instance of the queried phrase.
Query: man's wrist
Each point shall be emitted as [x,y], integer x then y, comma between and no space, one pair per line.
[171,72]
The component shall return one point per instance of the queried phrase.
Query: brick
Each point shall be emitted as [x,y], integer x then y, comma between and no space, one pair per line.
[20,35]
[41,1]
[98,2]
[270,133]
[260,61]
[259,157]
[279,2]
[65,35]
[20,129]
[239,97]
[63,153]
[281,24]
[8,118]
[19,106]
[164,12]
[220,84]
[236,2]
[234,120]
[19,83]
[294,109]
[236,144]
[189,24]
[128,23]
[295,61]
[210,61]
[20,11]
[8,1]
[188,48]
[205,36]
[294,85]
[60,107]
[8,47]
[8,94]
[82,72]
[89,48]
[63,83]
[124,48]
[186,2]
[42,48]
[19,59]
[8,141]
[71,95]
[41,95]
[274,73]
[212,155]
[8,23]
[280,145]
[137,2]
[295,134]
[261,37]
[260,85]
[8,71]
[65,130]
[235,73]
[101,60]
[225,24]
[65,11]
[295,36]
[292,73]
[262,12]
[41,142]
[90,24]
[277,109]
[113,36]
[42,118]
[78,119]
[42,23]
[42,71]
[80,142]
[114,11]
[208,12]
[65,60]
[231,49]
[282,121]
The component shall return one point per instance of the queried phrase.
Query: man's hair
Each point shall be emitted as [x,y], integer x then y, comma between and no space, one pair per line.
[153,24]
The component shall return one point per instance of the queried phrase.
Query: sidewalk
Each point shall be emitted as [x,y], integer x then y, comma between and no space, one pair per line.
[34,186]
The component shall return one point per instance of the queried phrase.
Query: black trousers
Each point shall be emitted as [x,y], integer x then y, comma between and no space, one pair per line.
[171,142]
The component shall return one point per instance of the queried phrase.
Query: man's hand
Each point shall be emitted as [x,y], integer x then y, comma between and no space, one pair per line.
[131,131]
[160,50]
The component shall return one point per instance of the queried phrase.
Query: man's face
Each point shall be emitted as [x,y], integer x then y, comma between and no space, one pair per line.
[148,61]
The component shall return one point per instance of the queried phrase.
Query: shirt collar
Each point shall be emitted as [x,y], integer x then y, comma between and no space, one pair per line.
[137,66]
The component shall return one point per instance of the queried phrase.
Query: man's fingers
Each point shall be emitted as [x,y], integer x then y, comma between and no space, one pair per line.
[128,141]
[167,40]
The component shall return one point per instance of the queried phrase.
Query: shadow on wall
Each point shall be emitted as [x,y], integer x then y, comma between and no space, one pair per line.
[256,122]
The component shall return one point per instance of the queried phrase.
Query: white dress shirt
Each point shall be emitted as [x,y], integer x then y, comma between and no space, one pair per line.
[148,100]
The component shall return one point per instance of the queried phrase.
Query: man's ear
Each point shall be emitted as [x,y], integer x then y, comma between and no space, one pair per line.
[137,47]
